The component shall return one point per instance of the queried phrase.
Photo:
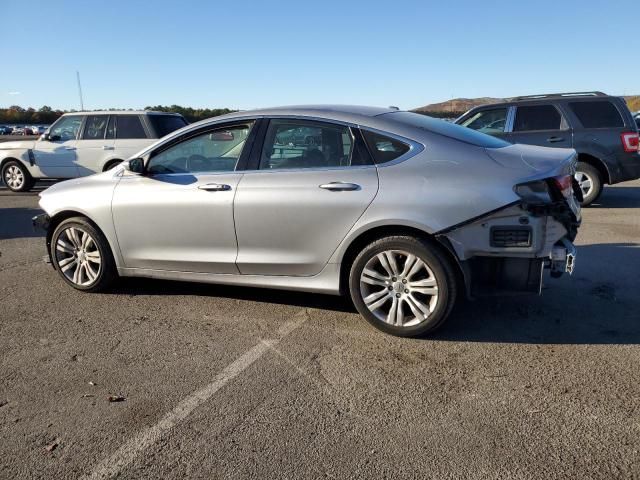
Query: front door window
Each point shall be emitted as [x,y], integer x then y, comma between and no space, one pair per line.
[491,121]
[66,128]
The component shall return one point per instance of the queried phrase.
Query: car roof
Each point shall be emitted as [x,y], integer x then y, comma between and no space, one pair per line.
[548,97]
[346,113]
[120,112]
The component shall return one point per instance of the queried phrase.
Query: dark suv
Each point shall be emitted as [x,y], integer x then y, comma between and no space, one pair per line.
[599,127]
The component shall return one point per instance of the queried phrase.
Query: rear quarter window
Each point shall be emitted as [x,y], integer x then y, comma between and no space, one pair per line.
[447,129]
[383,148]
[165,124]
[600,114]
[129,126]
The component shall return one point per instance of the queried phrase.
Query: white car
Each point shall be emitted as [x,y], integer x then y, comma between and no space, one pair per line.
[81,144]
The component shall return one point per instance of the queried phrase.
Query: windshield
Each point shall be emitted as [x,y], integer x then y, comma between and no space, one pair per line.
[447,129]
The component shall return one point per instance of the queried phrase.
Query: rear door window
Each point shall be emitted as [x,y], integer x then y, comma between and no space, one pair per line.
[599,114]
[309,144]
[490,121]
[94,127]
[129,126]
[537,117]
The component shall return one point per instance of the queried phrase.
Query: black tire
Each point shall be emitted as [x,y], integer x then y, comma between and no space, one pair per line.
[107,271]
[435,259]
[596,182]
[111,164]
[27,180]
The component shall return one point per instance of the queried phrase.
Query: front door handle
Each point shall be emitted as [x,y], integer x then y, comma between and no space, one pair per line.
[555,139]
[107,147]
[340,186]
[69,148]
[215,187]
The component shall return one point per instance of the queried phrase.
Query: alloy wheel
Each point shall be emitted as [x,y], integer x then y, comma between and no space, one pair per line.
[78,256]
[585,182]
[399,288]
[13,177]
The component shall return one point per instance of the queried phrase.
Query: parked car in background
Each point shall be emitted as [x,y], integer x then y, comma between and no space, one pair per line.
[80,144]
[17,130]
[598,126]
[5,130]
[403,212]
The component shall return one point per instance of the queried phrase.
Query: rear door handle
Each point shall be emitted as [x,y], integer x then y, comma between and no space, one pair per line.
[555,139]
[215,187]
[69,148]
[107,147]
[340,186]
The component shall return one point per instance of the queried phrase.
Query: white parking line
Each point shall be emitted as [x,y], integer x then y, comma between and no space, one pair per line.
[128,452]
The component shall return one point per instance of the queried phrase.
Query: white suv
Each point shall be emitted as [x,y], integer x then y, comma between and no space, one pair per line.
[83,143]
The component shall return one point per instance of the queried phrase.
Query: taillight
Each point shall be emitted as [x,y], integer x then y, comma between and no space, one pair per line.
[630,142]
[564,184]
[534,192]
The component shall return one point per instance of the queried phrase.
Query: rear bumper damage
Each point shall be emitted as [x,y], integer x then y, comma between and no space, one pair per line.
[507,251]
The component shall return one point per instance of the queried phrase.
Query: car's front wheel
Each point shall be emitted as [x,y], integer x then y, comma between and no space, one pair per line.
[16,177]
[590,183]
[82,256]
[403,285]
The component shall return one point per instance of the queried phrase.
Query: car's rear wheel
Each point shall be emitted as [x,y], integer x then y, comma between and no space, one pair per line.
[82,256]
[16,177]
[590,182]
[404,286]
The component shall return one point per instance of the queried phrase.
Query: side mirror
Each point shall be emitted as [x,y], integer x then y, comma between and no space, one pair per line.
[50,138]
[135,165]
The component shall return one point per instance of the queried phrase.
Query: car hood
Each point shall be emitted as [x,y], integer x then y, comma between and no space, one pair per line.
[19,144]
[534,161]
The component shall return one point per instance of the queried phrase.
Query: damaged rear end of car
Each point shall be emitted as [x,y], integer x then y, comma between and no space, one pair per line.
[507,250]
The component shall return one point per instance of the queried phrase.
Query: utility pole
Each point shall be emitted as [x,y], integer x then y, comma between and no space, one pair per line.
[80,91]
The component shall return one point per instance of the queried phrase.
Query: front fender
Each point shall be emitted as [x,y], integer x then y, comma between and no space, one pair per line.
[89,197]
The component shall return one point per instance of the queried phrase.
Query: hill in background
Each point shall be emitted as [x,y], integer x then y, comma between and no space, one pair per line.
[457,106]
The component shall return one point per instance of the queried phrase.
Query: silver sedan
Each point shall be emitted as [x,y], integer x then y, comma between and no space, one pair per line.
[401,212]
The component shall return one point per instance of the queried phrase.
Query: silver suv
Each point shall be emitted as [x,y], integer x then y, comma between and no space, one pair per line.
[80,144]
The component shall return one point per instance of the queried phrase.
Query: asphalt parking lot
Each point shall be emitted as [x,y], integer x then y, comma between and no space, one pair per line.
[220,382]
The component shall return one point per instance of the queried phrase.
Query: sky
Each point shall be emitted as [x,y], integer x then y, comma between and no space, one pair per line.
[245,54]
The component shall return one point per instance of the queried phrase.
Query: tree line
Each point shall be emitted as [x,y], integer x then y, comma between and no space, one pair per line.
[16,114]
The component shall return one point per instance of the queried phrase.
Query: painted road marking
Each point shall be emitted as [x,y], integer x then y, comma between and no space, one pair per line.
[128,452]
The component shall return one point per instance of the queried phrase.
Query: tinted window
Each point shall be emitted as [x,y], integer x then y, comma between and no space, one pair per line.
[305,144]
[383,148]
[165,124]
[129,126]
[447,129]
[488,121]
[638,122]
[66,128]
[597,114]
[214,151]
[537,117]
[94,127]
